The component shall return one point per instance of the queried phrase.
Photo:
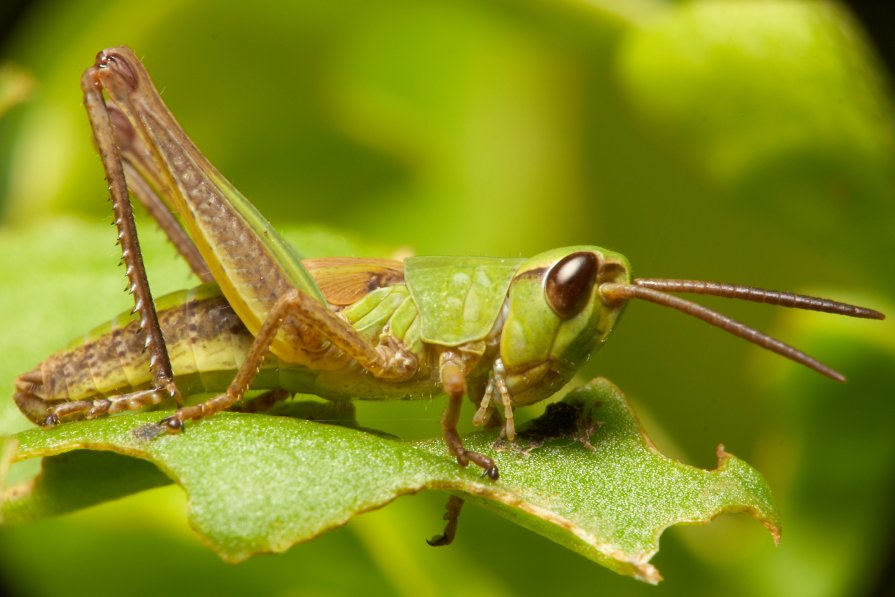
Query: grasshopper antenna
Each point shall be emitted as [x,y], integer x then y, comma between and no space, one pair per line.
[758,295]
[656,291]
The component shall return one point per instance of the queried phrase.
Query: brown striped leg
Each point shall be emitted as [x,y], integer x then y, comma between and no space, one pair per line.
[452,516]
[453,379]
[103,133]
[385,362]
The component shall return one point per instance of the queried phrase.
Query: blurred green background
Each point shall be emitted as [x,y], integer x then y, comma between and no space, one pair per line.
[734,141]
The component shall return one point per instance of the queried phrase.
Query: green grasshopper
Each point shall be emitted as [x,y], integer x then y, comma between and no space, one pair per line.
[504,332]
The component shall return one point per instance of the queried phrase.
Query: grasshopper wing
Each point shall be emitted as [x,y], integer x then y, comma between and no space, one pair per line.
[345,280]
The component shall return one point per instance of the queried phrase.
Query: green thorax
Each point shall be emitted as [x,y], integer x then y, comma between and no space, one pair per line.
[458,298]
[388,310]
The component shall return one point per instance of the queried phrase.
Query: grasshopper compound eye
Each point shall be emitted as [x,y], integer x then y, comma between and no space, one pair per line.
[569,283]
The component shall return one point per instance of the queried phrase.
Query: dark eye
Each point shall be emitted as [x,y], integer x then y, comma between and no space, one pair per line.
[569,283]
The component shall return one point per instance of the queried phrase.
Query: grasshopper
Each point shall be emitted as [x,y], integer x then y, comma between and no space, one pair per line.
[504,332]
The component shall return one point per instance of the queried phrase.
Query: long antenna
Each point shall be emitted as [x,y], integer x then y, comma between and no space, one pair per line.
[644,289]
[758,295]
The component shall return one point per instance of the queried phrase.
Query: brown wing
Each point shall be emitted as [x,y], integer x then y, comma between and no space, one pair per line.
[346,280]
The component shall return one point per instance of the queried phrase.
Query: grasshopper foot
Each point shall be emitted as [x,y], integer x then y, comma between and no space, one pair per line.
[51,420]
[149,432]
[491,472]
[451,515]
[489,467]
[464,456]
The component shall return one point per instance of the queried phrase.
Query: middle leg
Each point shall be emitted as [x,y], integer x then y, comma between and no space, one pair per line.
[385,361]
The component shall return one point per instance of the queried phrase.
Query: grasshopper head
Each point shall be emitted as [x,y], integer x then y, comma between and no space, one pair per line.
[564,303]
[557,317]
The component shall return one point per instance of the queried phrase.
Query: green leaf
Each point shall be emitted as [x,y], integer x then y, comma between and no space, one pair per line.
[583,475]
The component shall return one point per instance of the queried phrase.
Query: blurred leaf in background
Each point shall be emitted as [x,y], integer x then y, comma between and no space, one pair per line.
[739,141]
